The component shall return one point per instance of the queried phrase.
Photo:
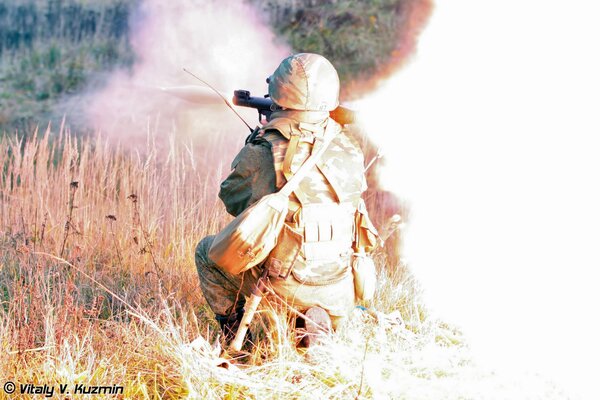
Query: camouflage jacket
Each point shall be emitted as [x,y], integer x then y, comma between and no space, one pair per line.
[254,173]
[318,239]
[253,177]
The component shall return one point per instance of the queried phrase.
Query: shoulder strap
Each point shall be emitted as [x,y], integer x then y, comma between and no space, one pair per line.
[319,149]
[292,148]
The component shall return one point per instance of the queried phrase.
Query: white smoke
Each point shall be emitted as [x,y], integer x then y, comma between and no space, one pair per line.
[226,44]
[494,132]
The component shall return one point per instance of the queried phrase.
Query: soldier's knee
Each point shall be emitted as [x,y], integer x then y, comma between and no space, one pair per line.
[201,255]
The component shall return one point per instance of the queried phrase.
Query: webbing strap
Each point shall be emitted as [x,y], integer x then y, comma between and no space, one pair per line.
[289,156]
[318,150]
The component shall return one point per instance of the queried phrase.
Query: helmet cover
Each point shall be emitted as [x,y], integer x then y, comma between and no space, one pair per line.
[305,81]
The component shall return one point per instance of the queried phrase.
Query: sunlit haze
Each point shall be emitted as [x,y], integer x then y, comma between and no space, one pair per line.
[226,44]
[491,135]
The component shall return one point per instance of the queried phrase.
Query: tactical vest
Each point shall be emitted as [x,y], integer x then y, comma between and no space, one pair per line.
[315,245]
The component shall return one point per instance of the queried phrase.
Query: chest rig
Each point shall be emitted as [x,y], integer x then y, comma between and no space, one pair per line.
[316,243]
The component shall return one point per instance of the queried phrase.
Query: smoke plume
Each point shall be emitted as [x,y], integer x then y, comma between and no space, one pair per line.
[225,44]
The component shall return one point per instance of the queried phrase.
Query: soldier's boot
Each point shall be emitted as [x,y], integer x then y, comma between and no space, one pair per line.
[229,326]
[314,328]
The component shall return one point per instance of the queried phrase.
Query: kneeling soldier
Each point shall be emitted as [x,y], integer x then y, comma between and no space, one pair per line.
[311,266]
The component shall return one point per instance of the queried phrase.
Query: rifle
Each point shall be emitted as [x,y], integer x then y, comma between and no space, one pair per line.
[265,107]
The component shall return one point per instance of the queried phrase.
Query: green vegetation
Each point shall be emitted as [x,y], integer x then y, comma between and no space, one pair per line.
[52,49]
[359,37]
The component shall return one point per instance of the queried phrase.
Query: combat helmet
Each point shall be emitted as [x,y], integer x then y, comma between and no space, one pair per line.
[305,81]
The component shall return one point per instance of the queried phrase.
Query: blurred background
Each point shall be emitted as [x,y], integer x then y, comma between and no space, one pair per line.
[53,52]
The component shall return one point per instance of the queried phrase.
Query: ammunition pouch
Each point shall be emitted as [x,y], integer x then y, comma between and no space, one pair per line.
[281,260]
[366,236]
[363,267]
[316,248]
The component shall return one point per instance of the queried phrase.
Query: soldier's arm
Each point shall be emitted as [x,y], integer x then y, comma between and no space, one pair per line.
[252,177]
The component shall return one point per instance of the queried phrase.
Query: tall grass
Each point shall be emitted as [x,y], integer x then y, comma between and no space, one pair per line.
[98,286]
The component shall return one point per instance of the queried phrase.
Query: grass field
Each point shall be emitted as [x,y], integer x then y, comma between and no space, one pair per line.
[98,287]
[97,275]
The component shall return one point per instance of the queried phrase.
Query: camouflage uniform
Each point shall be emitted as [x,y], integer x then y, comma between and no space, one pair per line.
[310,266]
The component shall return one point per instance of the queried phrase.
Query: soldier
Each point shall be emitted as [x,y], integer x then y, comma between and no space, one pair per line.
[310,268]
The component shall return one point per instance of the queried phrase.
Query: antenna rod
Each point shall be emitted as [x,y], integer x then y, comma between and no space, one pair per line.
[221,96]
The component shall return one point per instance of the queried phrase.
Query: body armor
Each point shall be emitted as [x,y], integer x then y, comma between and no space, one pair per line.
[316,243]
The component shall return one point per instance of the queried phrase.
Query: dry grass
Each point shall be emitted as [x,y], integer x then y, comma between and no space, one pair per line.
[98,286]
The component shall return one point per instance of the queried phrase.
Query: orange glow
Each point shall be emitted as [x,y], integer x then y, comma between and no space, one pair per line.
[415,15]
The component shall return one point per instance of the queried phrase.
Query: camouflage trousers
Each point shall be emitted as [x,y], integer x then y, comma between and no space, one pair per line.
[225,293]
